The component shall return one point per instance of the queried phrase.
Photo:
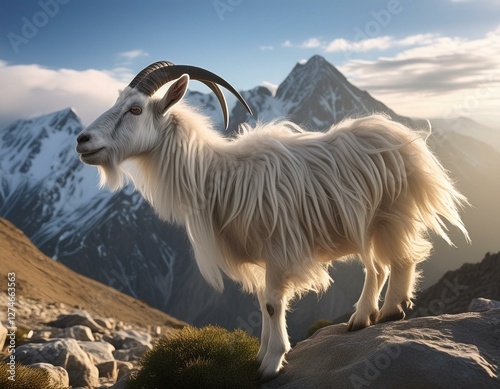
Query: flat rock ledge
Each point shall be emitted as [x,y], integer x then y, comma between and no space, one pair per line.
[448,351]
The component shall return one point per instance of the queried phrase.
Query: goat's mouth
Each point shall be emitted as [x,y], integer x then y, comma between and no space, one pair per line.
[89,157]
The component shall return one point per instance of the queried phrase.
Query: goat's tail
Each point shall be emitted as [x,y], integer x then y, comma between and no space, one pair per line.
[433,191]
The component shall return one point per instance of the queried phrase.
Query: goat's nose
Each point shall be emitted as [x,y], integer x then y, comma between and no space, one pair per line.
[82,138]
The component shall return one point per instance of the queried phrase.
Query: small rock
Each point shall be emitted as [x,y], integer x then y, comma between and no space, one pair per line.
[123,368]
[46,333]
[97,336]
[129,339]
[58,376]
[65,353]
[108,369]
[79,332]
[132,354]
[109,324]
[78,318]
[123,381]
[100,351]
[481,304]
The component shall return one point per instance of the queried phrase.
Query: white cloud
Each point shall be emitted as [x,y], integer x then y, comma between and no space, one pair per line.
[31,90]
[132,54]
[266,48]
[379,43]
[441,76]
[311,43]
[364,45]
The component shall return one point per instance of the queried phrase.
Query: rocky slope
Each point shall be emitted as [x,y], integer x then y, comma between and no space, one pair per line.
[82,332]
[46,288]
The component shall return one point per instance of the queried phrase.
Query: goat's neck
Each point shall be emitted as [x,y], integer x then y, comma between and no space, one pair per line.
[174,174]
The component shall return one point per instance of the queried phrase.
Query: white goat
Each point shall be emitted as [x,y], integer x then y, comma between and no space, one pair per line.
[274,206]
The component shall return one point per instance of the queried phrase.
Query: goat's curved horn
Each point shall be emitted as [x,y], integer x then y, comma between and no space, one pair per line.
[153,77]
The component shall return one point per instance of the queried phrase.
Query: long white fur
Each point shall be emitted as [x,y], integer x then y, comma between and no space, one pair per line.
[274,206]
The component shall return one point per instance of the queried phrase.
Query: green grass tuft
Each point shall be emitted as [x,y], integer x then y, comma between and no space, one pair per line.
[210,357]
[25,378]
[317,325]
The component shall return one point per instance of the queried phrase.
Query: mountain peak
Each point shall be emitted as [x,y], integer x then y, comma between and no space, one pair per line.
[305,79]
[318,60]
[317,94]
[320,67]
[60,119]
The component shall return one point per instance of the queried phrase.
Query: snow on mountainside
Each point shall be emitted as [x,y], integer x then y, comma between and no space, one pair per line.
[42,181]
[115,238]
[314,94]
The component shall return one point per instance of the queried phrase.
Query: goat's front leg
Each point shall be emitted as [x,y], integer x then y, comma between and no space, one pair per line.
[264,338]
[274,323]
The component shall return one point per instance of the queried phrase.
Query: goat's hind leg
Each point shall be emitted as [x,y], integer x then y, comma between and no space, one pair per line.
[399,292]
[366,312]
[403,258]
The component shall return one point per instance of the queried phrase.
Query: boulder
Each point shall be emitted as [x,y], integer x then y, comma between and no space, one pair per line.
[65,353]
[77,318]
[77,332]
[58,376]
[123,381]
[481,304]
[100,351]
[126,339]
[107,323]
[448,351]
[123,368]
[131,354]
[108,369]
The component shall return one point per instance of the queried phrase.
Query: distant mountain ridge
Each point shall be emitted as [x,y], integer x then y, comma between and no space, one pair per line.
[115,238]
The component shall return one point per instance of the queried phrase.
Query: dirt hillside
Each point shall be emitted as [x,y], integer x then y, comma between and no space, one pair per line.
[50,282]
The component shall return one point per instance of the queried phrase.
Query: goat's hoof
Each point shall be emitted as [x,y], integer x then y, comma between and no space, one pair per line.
[358,321]
[271,365]
[407,305]
[394,315]
[266,374]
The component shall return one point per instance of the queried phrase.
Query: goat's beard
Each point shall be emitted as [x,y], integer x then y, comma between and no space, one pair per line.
[113,176]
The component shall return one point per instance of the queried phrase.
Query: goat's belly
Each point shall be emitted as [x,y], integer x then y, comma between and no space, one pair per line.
[239,249]
[328,254]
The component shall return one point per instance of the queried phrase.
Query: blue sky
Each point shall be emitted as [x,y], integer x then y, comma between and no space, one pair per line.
[422,58]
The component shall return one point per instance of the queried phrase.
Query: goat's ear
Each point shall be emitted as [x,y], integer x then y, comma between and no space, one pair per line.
[174,94]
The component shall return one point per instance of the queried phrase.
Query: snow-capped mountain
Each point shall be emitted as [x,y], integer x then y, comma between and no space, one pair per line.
[316,95]
[116,238]
[41,180]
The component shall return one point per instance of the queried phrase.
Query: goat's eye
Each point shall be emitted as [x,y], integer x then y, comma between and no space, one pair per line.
[136,110]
